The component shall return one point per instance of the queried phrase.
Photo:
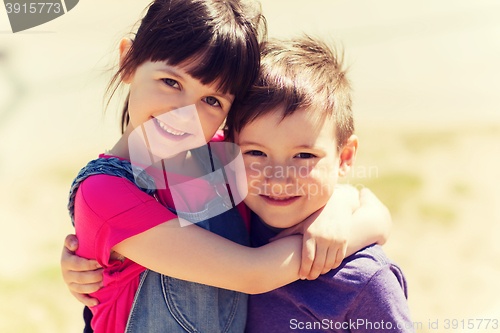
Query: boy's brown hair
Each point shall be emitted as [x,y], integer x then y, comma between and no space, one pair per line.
[298,73]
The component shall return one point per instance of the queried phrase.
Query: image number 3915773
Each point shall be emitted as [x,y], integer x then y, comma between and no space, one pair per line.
[26,14]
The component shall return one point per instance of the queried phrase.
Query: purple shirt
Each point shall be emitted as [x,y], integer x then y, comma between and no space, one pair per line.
[366,293]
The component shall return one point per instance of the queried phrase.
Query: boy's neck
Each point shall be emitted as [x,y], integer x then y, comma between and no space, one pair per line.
[273,229]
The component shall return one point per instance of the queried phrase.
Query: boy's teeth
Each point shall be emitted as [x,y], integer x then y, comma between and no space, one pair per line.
[168,130]
[280,199]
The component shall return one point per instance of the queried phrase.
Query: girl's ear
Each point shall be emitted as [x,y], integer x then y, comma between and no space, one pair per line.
[125,45]
[348,155]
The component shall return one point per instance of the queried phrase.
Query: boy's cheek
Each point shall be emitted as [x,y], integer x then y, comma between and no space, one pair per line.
[254,186]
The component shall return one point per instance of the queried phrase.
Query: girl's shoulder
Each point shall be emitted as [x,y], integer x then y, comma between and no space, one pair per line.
[109,196]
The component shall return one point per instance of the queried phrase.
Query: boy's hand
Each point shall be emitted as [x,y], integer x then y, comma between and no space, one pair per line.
[83,276]
[326,233]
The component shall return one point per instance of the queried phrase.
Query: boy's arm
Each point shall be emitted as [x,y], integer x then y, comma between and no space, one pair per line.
[348,223]
[82,276]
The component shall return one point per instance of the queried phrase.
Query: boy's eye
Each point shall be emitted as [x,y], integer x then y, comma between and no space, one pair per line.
[212,101]
[255,153]
[171,83]
[305,155]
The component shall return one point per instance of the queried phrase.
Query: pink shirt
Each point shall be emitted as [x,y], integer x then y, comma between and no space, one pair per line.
[109,210]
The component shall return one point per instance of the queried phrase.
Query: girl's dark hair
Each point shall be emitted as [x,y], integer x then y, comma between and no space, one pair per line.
[222,36]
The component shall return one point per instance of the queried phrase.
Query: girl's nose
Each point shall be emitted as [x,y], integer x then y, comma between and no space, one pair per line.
[185,114]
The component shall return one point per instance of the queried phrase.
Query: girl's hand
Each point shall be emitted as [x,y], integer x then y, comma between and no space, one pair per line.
[326,233]
[83,276]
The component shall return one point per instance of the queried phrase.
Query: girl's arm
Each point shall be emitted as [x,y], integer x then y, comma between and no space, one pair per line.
[370,223]
[194,254]
[334,232]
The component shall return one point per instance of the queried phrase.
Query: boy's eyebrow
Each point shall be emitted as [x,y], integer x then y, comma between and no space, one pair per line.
[249,143]
[305,146]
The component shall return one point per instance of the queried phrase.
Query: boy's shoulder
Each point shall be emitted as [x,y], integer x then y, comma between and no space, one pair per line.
[368,264]
[367,285]
[367,261]
[364,279]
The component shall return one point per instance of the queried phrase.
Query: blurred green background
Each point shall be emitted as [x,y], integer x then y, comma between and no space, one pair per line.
[426,77]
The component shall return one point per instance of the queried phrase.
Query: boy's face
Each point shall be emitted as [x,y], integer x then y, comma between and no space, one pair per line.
[292,165]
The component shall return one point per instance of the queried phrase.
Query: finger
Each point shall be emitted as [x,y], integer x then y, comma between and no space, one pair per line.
[319,262]
[366,196]
[340,256]
[71,243]
[87,277]
[86,299]
[331,258]
[287,232]
[72,262]
[76,288]
[308,254]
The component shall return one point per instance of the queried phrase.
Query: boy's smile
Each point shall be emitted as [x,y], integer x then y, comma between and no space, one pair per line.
[292,165]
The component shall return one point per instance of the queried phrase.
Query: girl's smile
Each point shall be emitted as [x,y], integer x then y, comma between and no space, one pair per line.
[169,129]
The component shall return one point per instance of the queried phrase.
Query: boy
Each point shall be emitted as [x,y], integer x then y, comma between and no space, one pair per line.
[295,131]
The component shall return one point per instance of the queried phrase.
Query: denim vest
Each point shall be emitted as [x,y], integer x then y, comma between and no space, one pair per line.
[166,304]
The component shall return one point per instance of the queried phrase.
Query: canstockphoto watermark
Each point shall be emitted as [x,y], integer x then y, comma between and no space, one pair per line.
[358,324]
[24,14]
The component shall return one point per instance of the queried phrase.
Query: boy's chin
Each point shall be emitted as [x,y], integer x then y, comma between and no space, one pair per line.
[280,223]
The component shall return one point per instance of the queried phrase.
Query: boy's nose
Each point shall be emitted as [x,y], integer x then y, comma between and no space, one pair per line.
[277,175]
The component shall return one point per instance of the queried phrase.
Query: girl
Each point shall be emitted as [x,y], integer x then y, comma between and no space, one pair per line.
[189,61]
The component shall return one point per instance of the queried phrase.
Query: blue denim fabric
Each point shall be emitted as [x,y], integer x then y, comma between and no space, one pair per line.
[111,166]
[166,304]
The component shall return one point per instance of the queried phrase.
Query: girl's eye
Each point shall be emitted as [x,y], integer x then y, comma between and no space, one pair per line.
[305,155]
[255,153]
[171,83]
[212,101]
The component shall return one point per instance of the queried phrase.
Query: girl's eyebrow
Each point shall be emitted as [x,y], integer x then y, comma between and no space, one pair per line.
[227,97]
[170,71]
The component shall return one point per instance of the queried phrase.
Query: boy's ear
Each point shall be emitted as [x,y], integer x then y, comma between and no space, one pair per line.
[125,45]
[348,155]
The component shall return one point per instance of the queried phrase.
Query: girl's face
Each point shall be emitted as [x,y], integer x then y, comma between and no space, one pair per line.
[175,109]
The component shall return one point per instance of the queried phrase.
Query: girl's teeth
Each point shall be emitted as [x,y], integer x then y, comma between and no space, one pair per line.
[168,130]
